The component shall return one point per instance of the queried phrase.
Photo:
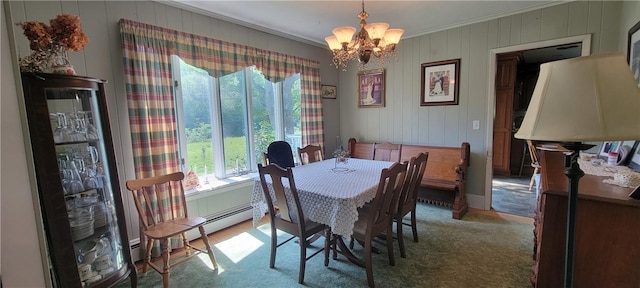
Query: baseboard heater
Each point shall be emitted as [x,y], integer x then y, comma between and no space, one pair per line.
[226,214]
[215,222]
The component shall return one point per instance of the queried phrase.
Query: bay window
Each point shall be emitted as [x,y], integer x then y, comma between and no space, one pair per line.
[225,123]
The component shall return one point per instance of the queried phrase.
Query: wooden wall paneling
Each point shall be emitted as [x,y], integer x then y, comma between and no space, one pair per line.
[531,26]
[554,22]
[119,119]
[611,22]
[201,25]
[437,124]
[425,57]
[145,12]
[160,11]
[174,18]
[98,60]
[478,98]
[516,30]
[594,25]
[452,112]
[18,14]
[465,123]
[187,21]
[405,77]
[397,99]
[578,18]
[504,31]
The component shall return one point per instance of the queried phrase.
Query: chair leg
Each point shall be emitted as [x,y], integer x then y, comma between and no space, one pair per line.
[392,259]
[165,261]
[185,242]
[274,245]
[533,178]
[327,246]
[147,258]
[367,262]
[205,239]
[414,225]
[400,236]
[303,258]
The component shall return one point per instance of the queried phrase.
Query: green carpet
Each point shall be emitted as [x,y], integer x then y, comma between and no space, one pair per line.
[477,251]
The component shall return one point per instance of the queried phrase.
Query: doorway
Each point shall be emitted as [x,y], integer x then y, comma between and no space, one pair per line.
[509,172]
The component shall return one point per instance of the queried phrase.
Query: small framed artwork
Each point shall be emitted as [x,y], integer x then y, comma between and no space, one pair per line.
[440,82]
[329,92]
[371,88]
[634,162]
[633,51]
[609,146]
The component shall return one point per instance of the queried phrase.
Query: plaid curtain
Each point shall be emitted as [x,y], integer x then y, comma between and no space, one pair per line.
[147,50]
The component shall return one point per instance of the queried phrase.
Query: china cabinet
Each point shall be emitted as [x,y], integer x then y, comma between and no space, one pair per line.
[78,187]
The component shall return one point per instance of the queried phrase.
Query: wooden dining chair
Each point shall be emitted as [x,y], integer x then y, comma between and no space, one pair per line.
[288,216]
[280,152]
[409,198]
[360,150]
[155,198]
[377,217]
[387,152]
[309,154]
[535,163]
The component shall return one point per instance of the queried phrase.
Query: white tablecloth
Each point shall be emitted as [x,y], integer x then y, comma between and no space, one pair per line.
[329,197]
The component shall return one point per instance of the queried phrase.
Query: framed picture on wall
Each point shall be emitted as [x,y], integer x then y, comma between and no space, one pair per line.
[633,51]
[329,92]
[371,88]
[440,82]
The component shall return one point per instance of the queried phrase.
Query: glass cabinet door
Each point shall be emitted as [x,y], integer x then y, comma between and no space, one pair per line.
[78,185]
[85,180]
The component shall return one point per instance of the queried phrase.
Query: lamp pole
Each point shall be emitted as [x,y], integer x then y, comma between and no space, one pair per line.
[574,173]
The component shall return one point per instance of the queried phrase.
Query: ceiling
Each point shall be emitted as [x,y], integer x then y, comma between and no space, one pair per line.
[311,21]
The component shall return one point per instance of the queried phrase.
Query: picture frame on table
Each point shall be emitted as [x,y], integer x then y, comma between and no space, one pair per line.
[329,91]
[371,88]
[633,51]
[634,162]
[440,82]
[609,146]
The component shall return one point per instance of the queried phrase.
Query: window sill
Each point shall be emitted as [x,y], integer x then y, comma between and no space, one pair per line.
[217,186]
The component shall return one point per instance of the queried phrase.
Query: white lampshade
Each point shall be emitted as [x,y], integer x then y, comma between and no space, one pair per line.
[333,43]
[376,30]
[392,36]
[344,34]
[591,98]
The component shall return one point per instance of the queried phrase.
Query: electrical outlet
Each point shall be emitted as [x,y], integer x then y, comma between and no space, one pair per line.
[476,124]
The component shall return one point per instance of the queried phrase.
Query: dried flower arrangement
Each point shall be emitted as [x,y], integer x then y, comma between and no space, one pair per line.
[51,42]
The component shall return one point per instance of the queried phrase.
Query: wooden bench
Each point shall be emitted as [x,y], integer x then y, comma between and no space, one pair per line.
[444,178]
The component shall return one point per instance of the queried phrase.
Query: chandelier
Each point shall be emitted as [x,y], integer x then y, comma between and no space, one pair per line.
[375,39]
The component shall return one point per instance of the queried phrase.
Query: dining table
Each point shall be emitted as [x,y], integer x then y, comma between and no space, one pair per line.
[330,193]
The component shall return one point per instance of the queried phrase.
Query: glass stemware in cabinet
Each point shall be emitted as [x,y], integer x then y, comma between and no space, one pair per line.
[83,219]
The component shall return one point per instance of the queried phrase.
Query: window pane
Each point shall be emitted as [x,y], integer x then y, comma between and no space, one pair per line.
[234,121]
[263,113]
[195,86]
[291,107]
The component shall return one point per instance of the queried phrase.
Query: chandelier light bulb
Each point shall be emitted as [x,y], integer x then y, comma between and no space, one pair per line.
[344,34]
[333,42]
[392,36]
[376,30]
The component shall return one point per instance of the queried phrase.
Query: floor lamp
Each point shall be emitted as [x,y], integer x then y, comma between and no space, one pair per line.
[591,98]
